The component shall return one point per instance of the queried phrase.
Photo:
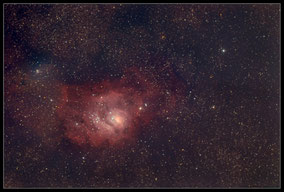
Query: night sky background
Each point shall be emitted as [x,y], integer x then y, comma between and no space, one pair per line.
[140,95]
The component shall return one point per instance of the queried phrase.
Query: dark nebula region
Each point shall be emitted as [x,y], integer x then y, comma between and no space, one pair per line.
[141,96]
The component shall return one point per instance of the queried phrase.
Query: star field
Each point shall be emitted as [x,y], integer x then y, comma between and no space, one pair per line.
[141,95]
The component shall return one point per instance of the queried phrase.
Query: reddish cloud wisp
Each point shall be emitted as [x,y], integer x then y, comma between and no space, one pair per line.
[111,111]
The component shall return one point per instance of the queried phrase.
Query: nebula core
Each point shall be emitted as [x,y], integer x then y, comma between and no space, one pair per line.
[112,111]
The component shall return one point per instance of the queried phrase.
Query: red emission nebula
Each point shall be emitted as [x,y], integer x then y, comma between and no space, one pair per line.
[114,111]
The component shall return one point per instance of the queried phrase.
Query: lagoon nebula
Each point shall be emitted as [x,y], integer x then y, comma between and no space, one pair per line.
[112,111]
[141,96]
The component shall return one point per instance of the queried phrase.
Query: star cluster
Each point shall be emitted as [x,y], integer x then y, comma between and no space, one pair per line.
[141,95]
